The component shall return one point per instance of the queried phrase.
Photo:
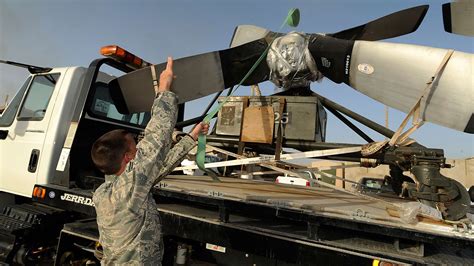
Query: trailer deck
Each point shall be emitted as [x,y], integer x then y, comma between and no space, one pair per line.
[258,222]
[316,216]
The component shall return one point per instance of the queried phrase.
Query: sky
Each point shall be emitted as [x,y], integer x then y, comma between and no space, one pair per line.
[61,33]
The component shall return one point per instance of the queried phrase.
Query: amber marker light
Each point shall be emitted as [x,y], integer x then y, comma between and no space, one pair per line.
[39,192]
[121,55]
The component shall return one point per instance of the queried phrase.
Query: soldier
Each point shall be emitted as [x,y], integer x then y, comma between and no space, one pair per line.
[127,215]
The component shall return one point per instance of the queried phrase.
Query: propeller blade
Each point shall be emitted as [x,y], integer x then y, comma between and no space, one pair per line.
[196,76]
[249,33]
[396,24]
[396,75]
[457,17]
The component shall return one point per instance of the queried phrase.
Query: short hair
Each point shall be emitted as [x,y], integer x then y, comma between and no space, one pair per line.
[108,151]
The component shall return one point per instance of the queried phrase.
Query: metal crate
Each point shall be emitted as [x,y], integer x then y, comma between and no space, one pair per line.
[303,117]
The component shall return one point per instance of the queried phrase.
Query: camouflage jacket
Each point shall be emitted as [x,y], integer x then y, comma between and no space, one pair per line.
[127,215]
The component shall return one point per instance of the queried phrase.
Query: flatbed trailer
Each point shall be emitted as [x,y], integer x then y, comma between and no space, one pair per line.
[249,222]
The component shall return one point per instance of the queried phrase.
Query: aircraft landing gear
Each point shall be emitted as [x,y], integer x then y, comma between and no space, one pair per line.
[438,191]
[431,187]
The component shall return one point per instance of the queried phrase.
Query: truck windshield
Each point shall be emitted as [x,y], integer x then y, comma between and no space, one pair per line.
[103,107]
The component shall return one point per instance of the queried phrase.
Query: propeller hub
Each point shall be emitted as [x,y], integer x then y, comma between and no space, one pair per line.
[290,62]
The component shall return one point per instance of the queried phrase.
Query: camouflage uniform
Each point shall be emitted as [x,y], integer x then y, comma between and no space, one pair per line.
[127,215]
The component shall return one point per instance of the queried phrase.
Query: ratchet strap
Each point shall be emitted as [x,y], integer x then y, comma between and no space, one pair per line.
[415,113]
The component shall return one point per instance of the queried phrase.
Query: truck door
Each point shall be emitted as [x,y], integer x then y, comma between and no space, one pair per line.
[22,133]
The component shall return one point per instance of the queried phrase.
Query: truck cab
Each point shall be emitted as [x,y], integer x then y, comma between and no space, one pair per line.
[48,128]
[32,124]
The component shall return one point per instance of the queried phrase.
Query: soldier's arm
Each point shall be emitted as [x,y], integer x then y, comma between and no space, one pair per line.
[152,150]
[177,153]
[174,157]
[155,145]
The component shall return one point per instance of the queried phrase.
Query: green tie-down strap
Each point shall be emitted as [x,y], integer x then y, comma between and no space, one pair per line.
[292,20]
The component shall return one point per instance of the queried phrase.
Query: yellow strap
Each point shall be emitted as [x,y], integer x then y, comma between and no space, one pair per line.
[154,77]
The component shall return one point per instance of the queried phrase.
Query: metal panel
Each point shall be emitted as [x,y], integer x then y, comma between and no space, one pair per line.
[301,118]
[229,119]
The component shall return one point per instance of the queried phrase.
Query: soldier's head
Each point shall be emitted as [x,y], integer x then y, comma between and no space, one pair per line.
[111,152]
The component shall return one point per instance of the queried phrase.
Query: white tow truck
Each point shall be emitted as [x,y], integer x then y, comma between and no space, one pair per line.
[47,179]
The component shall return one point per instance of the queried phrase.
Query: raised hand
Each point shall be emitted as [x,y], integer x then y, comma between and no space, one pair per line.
[166,77]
